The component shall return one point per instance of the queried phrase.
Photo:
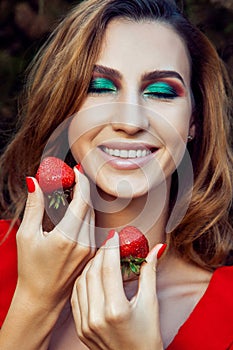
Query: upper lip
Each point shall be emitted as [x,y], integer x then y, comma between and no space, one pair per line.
[124,145]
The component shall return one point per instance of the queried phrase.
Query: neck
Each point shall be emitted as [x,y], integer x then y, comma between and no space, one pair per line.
[148,213]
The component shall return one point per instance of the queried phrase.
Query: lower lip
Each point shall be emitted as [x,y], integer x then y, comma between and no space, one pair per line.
[126,163]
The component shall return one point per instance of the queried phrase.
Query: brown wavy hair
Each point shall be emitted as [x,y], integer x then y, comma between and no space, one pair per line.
[58,84]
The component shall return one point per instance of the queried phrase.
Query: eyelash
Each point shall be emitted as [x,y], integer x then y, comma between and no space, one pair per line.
[157,90]
[101,86]
[160,90]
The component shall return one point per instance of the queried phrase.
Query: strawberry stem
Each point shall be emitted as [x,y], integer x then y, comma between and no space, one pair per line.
[57,198]
[130,263]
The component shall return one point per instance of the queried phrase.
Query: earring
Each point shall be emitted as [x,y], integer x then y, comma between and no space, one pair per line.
[190,137]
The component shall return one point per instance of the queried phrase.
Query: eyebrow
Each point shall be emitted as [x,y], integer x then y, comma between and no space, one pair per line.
[108,71]
[157,74]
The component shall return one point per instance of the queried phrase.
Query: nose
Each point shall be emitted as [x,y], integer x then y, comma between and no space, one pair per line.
[130,118]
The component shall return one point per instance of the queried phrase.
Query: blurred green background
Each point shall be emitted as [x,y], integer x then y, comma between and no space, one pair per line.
[25,25]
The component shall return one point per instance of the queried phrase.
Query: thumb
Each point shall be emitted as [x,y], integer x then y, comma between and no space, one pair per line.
[147,279]
[34,209]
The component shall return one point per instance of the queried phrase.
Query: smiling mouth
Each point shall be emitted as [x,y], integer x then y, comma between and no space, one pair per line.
[128,153]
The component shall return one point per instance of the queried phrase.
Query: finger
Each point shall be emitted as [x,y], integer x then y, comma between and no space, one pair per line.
[95,293]
[147,278]
[92,229]
[83,187]
[81,311]
[34,209]
[112,278]
[86,234]
[78,319]
[76,309]
[74,217]
[82,302]
[93,322]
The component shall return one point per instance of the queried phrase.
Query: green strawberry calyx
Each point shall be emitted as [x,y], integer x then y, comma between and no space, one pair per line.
[131,264]
[58,197]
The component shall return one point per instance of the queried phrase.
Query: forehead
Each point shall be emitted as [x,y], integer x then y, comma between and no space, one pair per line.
[144,46]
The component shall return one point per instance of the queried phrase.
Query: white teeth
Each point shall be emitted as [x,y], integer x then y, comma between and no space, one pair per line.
[132,153]
[124,153]
[144,153]
[116,153]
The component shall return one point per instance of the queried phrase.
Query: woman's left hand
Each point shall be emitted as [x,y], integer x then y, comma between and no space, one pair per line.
[105,319]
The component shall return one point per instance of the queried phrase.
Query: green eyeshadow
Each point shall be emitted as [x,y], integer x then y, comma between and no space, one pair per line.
[160,89]
[102,85]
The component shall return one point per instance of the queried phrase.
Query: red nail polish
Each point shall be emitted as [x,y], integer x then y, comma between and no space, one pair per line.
[30,184]
[111,233]
[161,250]
[80,168]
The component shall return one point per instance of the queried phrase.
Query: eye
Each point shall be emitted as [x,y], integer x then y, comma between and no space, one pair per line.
[101,86]
[160,90]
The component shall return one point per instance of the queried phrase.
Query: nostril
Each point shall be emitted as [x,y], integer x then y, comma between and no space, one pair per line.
[130,117]
[129,128]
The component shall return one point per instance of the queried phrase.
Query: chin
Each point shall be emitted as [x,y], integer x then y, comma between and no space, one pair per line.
[125,190]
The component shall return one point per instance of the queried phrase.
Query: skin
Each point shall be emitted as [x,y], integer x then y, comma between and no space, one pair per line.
[131,113]
[48,264]
[51,262]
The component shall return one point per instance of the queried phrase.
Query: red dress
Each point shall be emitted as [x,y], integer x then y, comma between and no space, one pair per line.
[209,326]
[8,267]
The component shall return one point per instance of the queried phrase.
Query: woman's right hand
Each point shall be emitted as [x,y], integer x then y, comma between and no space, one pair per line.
[49,262]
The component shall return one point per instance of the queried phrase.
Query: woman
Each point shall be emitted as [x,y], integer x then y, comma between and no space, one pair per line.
[141,99]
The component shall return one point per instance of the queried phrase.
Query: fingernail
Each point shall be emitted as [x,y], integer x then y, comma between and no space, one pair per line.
[80,168]
[111,233]
[161,250]
[30,184]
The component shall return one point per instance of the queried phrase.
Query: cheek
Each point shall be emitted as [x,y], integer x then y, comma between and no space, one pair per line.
[83,128]
[88,122]
[172,129]
[172,124]
[80,138]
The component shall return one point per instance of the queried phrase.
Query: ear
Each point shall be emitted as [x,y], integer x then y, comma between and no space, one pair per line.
[192,127]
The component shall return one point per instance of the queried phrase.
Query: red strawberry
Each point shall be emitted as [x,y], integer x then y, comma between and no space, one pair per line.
[134,248]
[55,176]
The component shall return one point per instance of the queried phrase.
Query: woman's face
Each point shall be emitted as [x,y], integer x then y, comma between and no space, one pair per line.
[131,131]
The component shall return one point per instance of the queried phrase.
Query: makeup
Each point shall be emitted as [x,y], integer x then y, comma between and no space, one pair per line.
[134,120]
[127,156]
[110,235]
[101,85]
[30,184]
[80,168]
[161,250]
[160,90]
